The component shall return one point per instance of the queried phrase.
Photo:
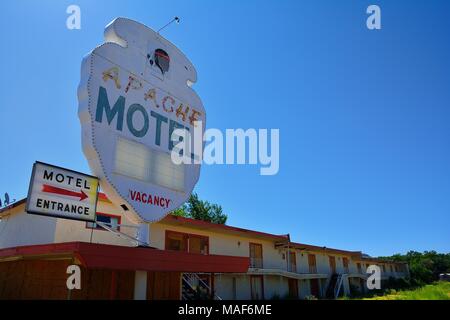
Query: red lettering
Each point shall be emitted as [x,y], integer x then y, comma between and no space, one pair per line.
[149,199]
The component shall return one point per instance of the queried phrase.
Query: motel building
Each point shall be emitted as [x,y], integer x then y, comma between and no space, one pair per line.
[188,259]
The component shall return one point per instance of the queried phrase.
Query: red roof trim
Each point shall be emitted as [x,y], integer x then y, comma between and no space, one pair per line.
[318,248]
[102,256]
[170,219]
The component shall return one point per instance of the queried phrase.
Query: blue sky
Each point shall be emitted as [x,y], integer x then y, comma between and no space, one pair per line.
[363,115]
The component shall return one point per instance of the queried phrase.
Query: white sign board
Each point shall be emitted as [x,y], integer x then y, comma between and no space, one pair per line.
[135,90]
[62,193]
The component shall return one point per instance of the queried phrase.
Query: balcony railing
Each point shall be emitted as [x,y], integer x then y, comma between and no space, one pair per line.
[256,263]
[292,268]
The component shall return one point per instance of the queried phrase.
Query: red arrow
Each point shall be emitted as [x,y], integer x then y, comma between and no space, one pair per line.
[56,190]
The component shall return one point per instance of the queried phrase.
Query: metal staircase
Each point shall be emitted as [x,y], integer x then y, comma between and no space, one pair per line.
[339,283]
[335,285]
[194,288]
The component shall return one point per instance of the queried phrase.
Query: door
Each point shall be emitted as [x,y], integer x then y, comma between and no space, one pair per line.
[293,288]
[345,263]
[332,264]
[292,263]
[256,259]
[257,287]
[312,263]
[314,287]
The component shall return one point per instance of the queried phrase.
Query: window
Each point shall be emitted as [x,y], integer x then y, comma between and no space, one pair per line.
[198,244]
[358,265]
[176,241]
[312,263]
[111,220]
[191,243]
[256,258]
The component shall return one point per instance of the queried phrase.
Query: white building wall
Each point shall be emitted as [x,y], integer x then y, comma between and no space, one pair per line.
[275,286]
[21,229]
[72,230]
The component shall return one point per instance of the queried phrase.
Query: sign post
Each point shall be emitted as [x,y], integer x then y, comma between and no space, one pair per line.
[62,193]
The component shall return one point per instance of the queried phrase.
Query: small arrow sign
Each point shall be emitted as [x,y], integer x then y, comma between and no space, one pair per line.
[64,192]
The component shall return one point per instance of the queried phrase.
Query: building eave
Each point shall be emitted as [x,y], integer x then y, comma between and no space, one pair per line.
[102,256]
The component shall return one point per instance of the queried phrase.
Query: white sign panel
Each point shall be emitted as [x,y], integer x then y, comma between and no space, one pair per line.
[62,193]
[135,90]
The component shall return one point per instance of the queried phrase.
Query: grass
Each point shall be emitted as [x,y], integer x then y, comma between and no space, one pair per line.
[436,291]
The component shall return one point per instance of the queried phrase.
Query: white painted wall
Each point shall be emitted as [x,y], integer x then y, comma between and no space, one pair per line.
[72,230]
[22,229]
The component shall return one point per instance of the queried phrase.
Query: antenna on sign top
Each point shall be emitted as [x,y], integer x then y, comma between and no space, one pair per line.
[175,19]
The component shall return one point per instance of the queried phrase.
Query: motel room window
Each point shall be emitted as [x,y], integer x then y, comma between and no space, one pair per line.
[256,257]
[358,265]
[392,270]
[111,220]
[384,268]
[312,263]
[191,243]
[345,263]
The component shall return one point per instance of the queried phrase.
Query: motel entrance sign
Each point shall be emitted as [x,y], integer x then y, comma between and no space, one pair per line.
[62,193]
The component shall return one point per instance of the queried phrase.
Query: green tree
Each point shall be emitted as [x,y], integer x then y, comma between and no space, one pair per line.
[424,267]
[201,210]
